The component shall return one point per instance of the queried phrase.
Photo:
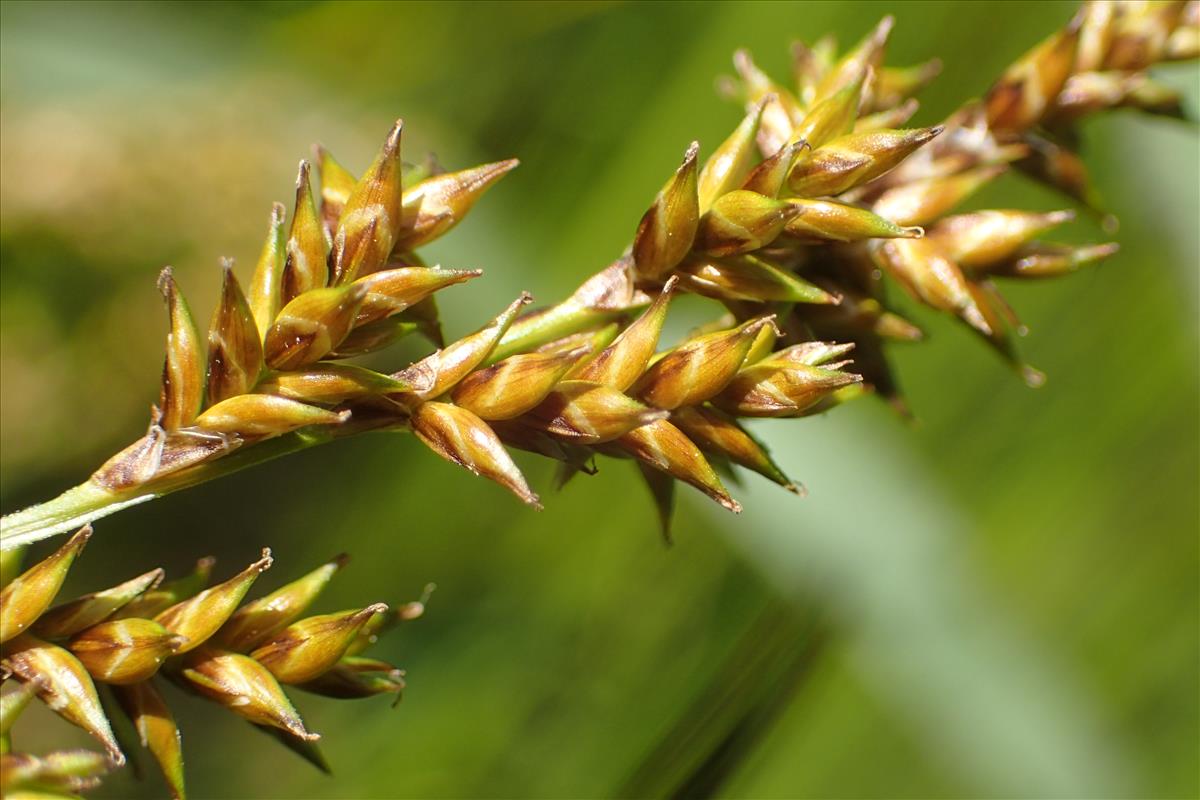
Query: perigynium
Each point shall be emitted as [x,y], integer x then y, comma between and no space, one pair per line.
[796,225]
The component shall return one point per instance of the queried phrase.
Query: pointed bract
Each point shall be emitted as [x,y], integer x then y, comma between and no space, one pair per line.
[183,371]
[308,648]
[70,618]
[311,326]
[245,687]
[462,438]
[437,204]
[667,229]
[199,617]
[255,622]
[306,267]
[371,220]
[64,685]
[125,650]
[664,447]
[235,355]
[24,599]
[156,728]
[265,296]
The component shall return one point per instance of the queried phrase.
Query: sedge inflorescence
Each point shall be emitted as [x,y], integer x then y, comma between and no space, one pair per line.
[104,655]
[796,225]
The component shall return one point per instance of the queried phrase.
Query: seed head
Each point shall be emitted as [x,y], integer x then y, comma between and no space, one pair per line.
[668,227]
[245,687]
[155,725]
[462,438]
[309,648]
[24,599]
[183,370]
[63,684]
[124,650]
[311,326]
[266,287]
[255,622]
[731,163]
[697,370]
[306,267]
[371,220]
[199,617]
[742,221]
[70,618]
[438,203]
[235,355]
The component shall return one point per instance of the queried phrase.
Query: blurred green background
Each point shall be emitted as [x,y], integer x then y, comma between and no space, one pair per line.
[999,601]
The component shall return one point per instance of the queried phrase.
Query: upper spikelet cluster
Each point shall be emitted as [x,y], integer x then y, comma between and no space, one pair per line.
[791,224]
[99,655]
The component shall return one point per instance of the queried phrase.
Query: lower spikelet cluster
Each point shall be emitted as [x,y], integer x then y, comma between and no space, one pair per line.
[793,224]
[101,655]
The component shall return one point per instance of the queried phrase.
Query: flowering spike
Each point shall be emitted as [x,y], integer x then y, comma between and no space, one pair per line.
[462,438]
[310,647]
[664,447]
[698,369]
[306,267]
[438,203]
[156,729]
[235,355]
[183,370]
[589,413]
[827,221]
[70,618]
[1027,88]
[620,364]
[266,286]
[515,385]
[255,622]
[371,220]
[265,415]
[730,163]
[978,240]
[441,371]
[311,326]
[720,434]
[749,278]
[25,598]
[668,227]
[64,685]
[329,384]
[245,687]
[198,618]
[391,291]
[124,650]
[769,389]
[741,221]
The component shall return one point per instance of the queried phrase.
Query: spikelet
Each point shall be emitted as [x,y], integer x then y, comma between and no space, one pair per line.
[129,638]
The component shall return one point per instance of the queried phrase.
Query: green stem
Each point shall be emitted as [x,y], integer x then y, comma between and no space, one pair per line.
[88,501]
